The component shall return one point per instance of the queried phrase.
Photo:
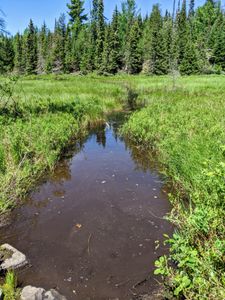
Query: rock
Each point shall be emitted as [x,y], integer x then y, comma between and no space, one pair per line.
[53,295]
[15,260]
[1,294]
[33,293]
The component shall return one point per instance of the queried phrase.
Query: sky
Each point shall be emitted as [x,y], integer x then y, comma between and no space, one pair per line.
[18,12]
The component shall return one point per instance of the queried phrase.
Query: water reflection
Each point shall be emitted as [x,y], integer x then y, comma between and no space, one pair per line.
[92,224]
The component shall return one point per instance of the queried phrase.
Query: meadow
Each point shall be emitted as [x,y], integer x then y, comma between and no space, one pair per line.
[181,121]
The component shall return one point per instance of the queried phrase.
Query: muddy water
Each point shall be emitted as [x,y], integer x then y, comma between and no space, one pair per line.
[89,230]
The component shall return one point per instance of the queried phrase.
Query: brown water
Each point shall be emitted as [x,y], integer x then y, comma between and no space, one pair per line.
[89,230]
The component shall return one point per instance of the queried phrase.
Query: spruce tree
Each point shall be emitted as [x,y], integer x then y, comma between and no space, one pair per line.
[133,54]
[157,59]
[18,50]
[68,50]
[93,34]
[114,44]
[77,15]
[100,35]
[126,18]
[31,49]
[191,12]
[182,31]
[9,58]
[219,48]
[58,55]
[105,66]
[6,54]
[42,49]
[189,64]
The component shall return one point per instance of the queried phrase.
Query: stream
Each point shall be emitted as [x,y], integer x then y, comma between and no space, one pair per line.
[89,228]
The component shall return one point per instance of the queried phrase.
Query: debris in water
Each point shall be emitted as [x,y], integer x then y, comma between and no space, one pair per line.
[68,279]
[78,226]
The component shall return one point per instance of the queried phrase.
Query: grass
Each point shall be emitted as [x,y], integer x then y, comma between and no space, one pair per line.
[9,287]
[38,117]
[185,127]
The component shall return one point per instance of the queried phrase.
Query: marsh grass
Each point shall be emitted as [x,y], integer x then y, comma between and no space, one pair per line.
[38,117]
[186,128]
[184,125]
[9,287]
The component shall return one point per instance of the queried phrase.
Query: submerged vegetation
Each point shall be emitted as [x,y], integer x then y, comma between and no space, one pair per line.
[185,128]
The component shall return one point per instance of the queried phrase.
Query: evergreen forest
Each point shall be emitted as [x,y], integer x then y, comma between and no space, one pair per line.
[187,40]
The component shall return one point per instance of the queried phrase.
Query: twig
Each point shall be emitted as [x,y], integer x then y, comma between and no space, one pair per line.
[139,283]
[122,283]
[89,243]
[154,215]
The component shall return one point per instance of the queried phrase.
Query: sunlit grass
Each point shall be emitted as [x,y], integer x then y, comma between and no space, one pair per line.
[185,126]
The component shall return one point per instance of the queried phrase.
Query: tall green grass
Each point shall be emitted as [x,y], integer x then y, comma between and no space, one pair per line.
[184,125]
[186,129]
[9,287]
[38,117]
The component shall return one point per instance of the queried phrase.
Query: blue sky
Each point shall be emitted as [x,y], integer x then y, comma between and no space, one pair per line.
[18,12]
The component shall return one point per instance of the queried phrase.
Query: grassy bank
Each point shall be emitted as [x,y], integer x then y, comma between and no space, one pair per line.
[186,129]
[184,126]
[38,117]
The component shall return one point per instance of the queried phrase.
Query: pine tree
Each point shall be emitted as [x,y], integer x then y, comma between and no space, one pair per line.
[31,50]
[157,54]
[189,64]
[93,35]
[219,48]
[86,64]
[133,54]
[182,31]
[191,12]
[105,66]
[190,41]
[167,45]
[18,50]
[77,15]
[114,43]
[100,35]
[68,50]
[58,55]
[42,49]
[2,23]
[9,57]
[126,18]
[6,54]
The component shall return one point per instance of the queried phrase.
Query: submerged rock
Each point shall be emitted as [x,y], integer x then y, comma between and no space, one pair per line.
[12,258]
[33,293]
[53,295]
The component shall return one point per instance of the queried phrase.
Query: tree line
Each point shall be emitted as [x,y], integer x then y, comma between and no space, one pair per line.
[188,40]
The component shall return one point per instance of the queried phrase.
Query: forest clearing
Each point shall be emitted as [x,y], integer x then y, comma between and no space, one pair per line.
[112,153]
